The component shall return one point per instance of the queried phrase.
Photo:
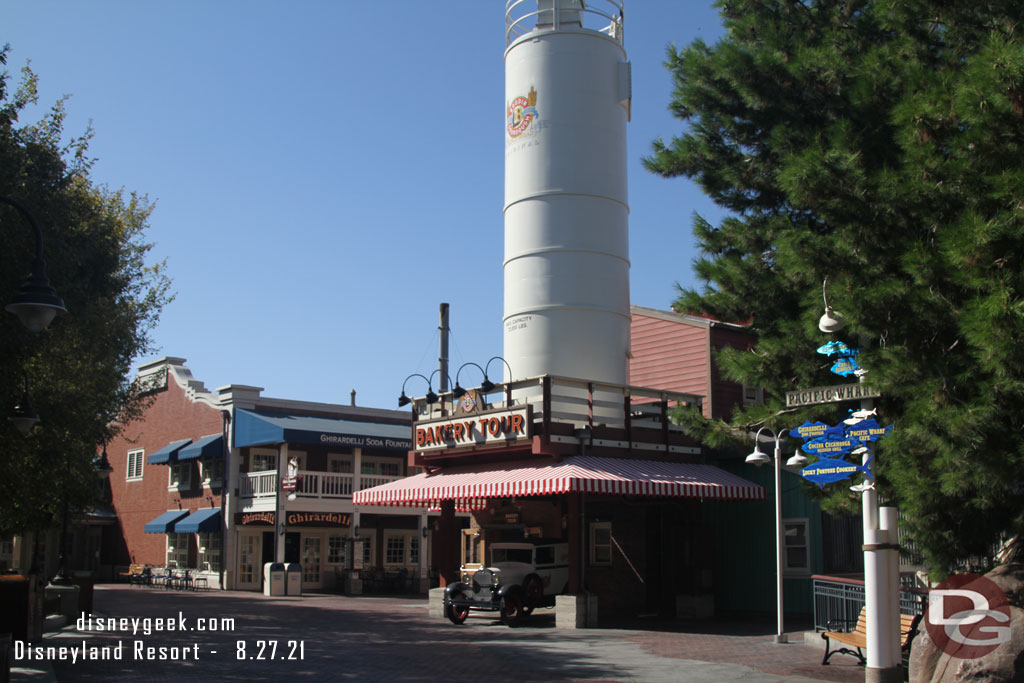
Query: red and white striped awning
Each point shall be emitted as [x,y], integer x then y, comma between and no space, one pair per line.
[471,484]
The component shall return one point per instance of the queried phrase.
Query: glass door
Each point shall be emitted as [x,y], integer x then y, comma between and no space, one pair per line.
[311,577]
[249,569]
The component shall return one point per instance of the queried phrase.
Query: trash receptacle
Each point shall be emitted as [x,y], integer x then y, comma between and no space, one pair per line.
[85,582]
[294,579]
[21,607]
[273,578]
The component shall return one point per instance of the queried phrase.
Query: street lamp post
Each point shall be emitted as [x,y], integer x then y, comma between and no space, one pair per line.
[759,457]
[36,303]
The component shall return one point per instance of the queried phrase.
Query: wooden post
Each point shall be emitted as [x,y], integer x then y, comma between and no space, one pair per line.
[574,528]
[448,557]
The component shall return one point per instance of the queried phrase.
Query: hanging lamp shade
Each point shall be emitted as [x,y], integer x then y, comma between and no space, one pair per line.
[831,321]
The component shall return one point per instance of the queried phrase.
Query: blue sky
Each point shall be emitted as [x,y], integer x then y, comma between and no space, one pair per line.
[326,173]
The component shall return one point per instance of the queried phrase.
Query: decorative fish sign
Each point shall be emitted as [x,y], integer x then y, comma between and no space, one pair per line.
[867,430]
[845,366]
[830,470]
[830,446]
[836,347]
[858,415]
[809,430]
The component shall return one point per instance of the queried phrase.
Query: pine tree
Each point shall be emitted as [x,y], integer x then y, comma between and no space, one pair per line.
[875,144]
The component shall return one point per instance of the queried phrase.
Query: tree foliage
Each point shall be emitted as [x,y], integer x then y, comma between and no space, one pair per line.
[876,144]
[78,368]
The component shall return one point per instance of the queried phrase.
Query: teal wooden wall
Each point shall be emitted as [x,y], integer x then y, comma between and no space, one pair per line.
[744,533]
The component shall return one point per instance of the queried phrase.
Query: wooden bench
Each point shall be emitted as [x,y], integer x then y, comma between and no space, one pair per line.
[134,574]
[858,637]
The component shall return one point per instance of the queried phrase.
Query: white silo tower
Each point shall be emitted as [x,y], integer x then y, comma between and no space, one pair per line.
[567,94]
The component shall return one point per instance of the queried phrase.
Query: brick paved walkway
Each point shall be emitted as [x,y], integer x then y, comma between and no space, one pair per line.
[394,639]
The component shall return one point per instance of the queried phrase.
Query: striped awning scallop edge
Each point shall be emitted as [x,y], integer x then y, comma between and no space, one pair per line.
[575,474]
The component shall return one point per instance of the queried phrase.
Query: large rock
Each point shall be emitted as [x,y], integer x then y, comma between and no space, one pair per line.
[928,664]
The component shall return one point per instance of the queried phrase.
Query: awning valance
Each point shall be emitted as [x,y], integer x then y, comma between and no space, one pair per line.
[168,453]
[580,473]
[254,428]
[164,522]
[211,446]
[204,520]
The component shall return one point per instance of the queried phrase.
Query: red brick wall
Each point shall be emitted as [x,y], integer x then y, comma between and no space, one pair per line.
[171,417]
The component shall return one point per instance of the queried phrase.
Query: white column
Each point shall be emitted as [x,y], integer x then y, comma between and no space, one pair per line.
[422,536]
[281,510]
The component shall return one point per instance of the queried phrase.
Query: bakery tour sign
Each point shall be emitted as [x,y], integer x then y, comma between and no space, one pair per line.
[473,430]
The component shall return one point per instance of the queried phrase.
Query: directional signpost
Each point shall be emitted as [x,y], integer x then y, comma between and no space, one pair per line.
[830,444]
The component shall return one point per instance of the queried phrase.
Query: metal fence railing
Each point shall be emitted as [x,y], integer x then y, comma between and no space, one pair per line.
[842,598]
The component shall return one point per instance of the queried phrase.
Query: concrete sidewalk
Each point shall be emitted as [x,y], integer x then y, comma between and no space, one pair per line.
[375,638]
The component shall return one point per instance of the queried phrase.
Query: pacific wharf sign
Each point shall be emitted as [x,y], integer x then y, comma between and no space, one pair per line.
[833,394]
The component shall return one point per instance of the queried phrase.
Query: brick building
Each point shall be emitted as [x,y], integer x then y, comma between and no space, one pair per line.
[218,483]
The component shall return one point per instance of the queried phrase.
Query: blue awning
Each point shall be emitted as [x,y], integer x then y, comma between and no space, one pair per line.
[168,453]
[161,524]
[259,428]
[204,520]
[211,446]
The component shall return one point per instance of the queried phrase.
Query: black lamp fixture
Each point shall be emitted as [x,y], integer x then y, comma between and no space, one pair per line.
[404,400]
[102,465]
[458,391]
[23,416]
[36,303]
[431,397]
[487,384]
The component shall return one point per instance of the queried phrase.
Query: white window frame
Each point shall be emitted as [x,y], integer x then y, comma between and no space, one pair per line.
[6,553]
[390,536]
[346,458]
[414,549]
[135,465]
[212,472]
[368,554]
[374,466]
[210,551]
[337,547]
[179,476]
[264,455]
[600,559]
[177,549]
[788,569]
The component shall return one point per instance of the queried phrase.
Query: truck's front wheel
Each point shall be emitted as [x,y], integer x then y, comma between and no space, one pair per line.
[512,608]
[457,613]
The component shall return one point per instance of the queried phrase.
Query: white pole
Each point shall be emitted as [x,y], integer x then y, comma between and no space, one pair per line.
[881,587]
[780,635]
[888,522]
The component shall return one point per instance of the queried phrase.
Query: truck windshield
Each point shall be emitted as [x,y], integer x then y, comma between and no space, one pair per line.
[499,555]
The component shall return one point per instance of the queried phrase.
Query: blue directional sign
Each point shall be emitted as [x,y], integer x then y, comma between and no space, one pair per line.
[836,347]
[809,430]
[829,470]
[845,366]
[825,446]
[867,430]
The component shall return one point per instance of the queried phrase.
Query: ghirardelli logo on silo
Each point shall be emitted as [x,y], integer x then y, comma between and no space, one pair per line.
[521,112]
